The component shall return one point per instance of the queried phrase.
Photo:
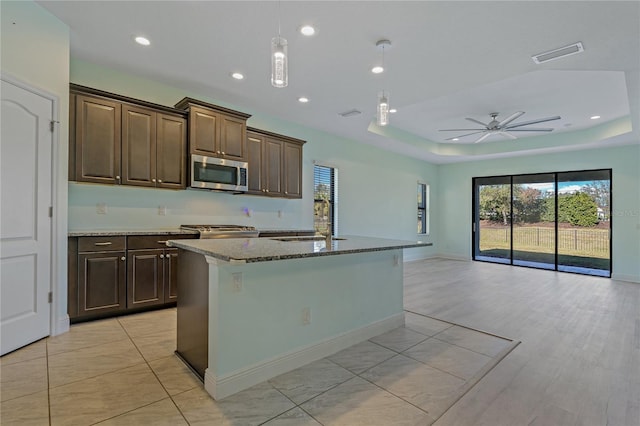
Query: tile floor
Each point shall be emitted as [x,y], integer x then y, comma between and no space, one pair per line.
[122,371]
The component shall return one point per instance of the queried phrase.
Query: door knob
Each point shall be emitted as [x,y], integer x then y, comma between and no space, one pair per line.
[122,258]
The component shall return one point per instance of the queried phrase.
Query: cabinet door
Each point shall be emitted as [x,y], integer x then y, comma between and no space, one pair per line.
[233,138]
[273,167]
[292,170]
[101,282]
[97,140]
[255,172]
[170,275]
[144,279]
[138,146]
[204,132]
[171,152]
[72,137]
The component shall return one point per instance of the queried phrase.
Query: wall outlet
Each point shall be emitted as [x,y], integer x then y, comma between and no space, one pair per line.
[101,208]
[162,210]
[280,214]
[236,279]
[305,316]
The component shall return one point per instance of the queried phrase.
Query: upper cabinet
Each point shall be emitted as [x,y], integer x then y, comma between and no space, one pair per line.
[216,131]
[275,164]
[117,141]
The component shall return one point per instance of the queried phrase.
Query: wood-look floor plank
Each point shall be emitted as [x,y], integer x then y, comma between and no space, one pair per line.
[579,360]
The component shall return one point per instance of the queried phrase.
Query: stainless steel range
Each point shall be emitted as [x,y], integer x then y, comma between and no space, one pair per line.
[223,231]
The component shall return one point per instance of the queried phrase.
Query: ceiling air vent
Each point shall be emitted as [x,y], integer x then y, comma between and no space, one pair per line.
[572,49]
[350,113]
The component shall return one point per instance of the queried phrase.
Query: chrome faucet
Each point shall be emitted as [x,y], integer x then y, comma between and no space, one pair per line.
[327,234]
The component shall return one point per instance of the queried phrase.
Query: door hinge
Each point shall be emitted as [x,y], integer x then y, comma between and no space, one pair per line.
[50,211]
[50,297]
[51,125]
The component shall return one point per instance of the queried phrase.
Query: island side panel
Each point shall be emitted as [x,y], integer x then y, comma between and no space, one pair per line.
[193,310]
[262,320]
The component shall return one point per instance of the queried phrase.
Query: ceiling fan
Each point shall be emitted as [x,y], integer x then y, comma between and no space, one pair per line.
[503,127]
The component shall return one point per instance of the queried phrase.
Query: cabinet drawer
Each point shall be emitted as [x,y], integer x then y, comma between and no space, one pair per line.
[138,242]
[86,244]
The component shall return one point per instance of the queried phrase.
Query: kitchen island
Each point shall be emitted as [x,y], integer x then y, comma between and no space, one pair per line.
[251,309]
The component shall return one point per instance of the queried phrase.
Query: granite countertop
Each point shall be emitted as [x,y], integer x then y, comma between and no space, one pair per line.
[121,232]
[286,231]
[249,250]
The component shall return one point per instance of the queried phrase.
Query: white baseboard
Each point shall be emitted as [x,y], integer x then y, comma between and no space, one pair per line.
[450,256]
[239,380]
[61,325]
[627,278]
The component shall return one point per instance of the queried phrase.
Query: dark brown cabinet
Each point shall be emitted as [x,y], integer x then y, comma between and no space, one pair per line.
[275,164]
[97,140]
[101,276]
[115,275]
[119,140]
[153,148]
[215,131]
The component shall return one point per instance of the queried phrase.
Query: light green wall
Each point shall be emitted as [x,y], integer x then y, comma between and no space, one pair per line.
[35,51]
[454,198]
[377,188]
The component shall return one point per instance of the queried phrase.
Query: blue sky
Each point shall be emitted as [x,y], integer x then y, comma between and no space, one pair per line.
[563,187]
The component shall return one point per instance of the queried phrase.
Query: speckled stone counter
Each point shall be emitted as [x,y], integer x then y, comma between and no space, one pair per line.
[249,250]
[124,232]
[285,232]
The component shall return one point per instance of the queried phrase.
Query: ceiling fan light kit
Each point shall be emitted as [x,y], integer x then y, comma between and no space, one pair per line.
[501,127]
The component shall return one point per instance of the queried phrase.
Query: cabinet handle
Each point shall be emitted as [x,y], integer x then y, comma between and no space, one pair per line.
[266,190]
[162,256]
[286,193]
[162,242]
[222,152]
[217,152]
[123,258]
[159,180]
[117,177]
[153,180]
[108,243]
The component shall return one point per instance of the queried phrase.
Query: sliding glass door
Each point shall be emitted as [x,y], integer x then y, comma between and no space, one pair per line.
[534,227]
[492,219]
[584,213]
[559,221]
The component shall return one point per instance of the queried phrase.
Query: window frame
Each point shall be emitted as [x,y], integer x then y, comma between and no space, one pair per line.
[333,196]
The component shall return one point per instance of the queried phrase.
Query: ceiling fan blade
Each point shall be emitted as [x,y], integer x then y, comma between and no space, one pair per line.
[460,130]
[510,118]
[531,130]
[476,121]
[483,137]
[526,123]
[509,135]
[462,136]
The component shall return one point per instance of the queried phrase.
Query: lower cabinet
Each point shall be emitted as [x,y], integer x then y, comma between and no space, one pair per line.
[114,275]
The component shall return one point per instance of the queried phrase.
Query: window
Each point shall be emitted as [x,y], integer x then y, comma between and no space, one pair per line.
[423,208]
[325,199]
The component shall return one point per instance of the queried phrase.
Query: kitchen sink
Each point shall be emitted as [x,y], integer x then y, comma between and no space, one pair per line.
[307,238]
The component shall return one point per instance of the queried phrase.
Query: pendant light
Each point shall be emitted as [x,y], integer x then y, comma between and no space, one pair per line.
[382,109]
[279,65]
[382,116]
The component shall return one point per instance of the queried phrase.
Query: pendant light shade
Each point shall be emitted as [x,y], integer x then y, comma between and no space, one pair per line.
[382,118]
[279,66]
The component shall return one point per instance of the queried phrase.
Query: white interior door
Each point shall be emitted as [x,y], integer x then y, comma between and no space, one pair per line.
[25,225]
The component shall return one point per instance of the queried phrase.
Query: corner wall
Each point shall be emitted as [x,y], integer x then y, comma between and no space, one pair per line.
[35,50]
[454,198]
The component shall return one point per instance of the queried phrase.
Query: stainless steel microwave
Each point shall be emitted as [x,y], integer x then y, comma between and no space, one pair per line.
[218,173]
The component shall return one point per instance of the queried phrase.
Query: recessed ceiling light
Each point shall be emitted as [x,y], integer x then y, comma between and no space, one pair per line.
[377,69]
[307,30]
[142,40]
[237,75]
[303,100]
[393,110]
[595,117]
[455,139]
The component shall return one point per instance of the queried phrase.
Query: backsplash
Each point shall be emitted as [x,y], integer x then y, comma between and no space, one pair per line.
[147,208]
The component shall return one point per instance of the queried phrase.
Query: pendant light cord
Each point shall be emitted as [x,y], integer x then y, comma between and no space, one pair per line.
[278,18]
